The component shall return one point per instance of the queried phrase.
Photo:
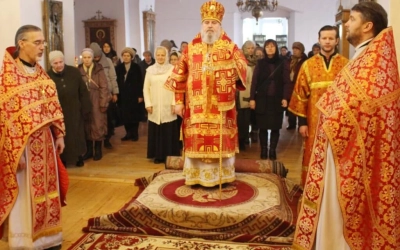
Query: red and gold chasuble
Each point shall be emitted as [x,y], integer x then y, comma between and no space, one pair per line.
[29,107]
[312,82]
[360,116]
[205,80]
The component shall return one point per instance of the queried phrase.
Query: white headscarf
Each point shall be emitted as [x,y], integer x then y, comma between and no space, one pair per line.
[159,69]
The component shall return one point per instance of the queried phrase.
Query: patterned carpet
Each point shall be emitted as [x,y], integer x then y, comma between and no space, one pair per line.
[256,208]
[241,166]
[92,241]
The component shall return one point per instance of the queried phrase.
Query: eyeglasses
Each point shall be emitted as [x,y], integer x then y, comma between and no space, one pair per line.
[37,43]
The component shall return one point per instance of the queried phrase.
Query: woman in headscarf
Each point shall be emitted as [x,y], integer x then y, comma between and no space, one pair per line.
[163,135]
[243,97]
[130,84]
[96,126]
[76,106]
[270,92]
[109,51]
[296,60]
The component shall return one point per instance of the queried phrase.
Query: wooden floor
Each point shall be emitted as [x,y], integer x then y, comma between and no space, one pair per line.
[104,186]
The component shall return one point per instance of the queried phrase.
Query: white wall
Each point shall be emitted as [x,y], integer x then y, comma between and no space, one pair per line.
[172,23]
[86,9]
[133,25]
[31,12]
[13,21]
[307,19]
[180,20]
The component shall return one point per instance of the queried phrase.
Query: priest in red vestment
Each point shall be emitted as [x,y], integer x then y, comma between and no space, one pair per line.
[31,134]
[205,81]
[352,192]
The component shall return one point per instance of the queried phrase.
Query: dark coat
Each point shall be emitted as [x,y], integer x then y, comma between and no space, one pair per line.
[75,103]
[144,65]
[130,90]
[269,110]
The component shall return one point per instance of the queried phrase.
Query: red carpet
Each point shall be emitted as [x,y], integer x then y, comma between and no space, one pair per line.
[257,207]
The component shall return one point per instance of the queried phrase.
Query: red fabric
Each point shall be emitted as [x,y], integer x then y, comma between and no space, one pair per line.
[205,80]
[359,118]
[63,181]
[22,113]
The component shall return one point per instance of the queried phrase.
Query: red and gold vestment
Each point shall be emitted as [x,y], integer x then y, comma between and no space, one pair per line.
[205,81]
[29,108]
[313,80]
[359,119]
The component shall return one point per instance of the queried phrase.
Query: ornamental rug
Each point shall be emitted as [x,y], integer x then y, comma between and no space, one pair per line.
[93,241]
[241,165]
[252,209]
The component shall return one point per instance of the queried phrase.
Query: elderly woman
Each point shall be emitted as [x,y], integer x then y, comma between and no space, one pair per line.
[163,135]
[130,83]
[96,82]
[269,95]
[75,102]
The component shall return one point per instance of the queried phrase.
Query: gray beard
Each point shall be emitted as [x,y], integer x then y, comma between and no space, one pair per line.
[210,38]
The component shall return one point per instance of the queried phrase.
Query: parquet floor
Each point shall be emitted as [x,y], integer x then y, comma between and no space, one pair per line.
[105,186]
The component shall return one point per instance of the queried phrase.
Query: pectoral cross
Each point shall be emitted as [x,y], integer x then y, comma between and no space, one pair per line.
[207,66]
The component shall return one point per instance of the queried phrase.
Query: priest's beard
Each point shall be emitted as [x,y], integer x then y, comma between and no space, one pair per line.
[210,37]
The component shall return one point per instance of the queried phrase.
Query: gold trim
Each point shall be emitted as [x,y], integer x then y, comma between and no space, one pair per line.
[317,85]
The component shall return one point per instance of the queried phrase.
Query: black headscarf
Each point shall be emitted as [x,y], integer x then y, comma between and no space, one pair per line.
[112,52]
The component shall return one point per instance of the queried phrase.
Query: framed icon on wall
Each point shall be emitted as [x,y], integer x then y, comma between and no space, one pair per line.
[99,29]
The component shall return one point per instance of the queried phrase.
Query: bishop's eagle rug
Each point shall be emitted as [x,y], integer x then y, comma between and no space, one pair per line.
[257,208]
[92,241]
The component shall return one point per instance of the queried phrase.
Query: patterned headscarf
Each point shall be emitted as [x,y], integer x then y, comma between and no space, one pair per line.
[157,68]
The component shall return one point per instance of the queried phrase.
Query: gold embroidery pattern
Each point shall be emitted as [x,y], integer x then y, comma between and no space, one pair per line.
[46,206]
[207,93]
[204,196]
[24,109]
[366,144]
[312,82]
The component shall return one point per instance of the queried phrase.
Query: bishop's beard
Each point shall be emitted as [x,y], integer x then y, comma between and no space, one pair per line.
[210,38]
